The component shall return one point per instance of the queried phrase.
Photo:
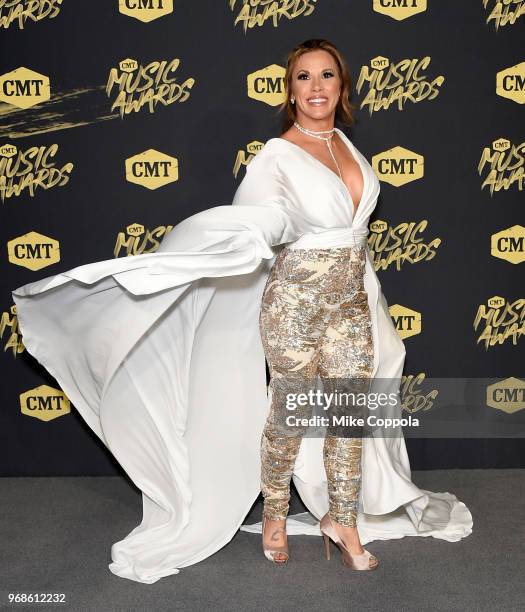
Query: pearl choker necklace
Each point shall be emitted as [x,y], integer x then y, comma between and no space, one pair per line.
[325,138]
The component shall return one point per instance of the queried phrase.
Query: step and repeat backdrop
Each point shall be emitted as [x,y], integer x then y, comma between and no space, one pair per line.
[120,118]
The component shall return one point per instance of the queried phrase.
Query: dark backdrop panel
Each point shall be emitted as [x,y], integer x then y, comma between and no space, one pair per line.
[76,50]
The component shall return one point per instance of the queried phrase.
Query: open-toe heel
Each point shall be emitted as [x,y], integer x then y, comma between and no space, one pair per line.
[271,553]
[364,561]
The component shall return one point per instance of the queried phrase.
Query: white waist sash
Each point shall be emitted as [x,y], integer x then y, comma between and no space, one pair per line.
[337,237]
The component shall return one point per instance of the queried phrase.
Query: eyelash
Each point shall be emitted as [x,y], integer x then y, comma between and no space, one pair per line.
[304,74]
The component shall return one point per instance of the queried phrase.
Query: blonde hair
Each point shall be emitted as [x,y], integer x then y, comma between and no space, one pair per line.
[345,110]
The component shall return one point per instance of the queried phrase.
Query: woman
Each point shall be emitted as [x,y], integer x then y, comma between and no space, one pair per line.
[315,317]
[163,356]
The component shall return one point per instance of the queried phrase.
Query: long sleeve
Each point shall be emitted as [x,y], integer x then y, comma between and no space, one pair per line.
[219,241]
[267,186]
[263,211]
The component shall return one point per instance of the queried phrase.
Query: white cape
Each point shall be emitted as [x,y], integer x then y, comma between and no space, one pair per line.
[161,355]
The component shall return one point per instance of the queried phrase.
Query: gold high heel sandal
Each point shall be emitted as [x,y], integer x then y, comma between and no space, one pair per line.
[364,561]
[270,553]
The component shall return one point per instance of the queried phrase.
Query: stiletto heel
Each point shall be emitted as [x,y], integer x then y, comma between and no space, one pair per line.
[364,561]
[270,553]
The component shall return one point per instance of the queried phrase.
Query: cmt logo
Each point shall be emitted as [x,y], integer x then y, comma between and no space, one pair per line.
[245,157]
[138,239]
[379,62]
[407,322]
[378,226]
[496,302]
[8,150]
[502,164]
[145,10]
[510,83]
[507,395]
[152,169]
[267,85]
[501,144]
[24,88]
[128,65]
[400,9]
[398,166]
[509,244]
[34,251]
[44,403]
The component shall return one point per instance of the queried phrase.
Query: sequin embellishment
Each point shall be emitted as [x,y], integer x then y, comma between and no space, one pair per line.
[314,321]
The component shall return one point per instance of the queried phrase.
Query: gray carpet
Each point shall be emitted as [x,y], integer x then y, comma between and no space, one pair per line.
[57,532]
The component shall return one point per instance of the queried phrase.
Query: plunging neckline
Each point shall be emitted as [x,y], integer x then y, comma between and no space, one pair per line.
[355,157]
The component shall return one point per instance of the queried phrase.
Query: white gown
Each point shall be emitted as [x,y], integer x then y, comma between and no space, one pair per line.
[161,355]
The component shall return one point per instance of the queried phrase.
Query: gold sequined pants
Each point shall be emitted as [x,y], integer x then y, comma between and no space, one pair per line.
[314,321]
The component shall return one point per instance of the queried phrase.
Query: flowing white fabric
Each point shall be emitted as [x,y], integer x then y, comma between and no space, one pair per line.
[161,355]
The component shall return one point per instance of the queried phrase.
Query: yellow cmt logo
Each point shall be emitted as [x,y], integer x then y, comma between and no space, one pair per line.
[509,244]
[152,169]
[44,403]
[33,250]
[507,395]
[24,88]
[400,9]
[254,147]
[244,157]
[501,144]
[379,63]
[496,302]
[398,166]
[128,65]
[145,10]
[8,150]
[267,85]
[135,230]
[407,321]
[137,239]
[510,83]
[378,226]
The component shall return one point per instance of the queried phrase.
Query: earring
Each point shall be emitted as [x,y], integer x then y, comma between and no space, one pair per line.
[292,100]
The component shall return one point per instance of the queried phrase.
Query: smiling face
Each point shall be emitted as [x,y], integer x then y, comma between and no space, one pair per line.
[316,86]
